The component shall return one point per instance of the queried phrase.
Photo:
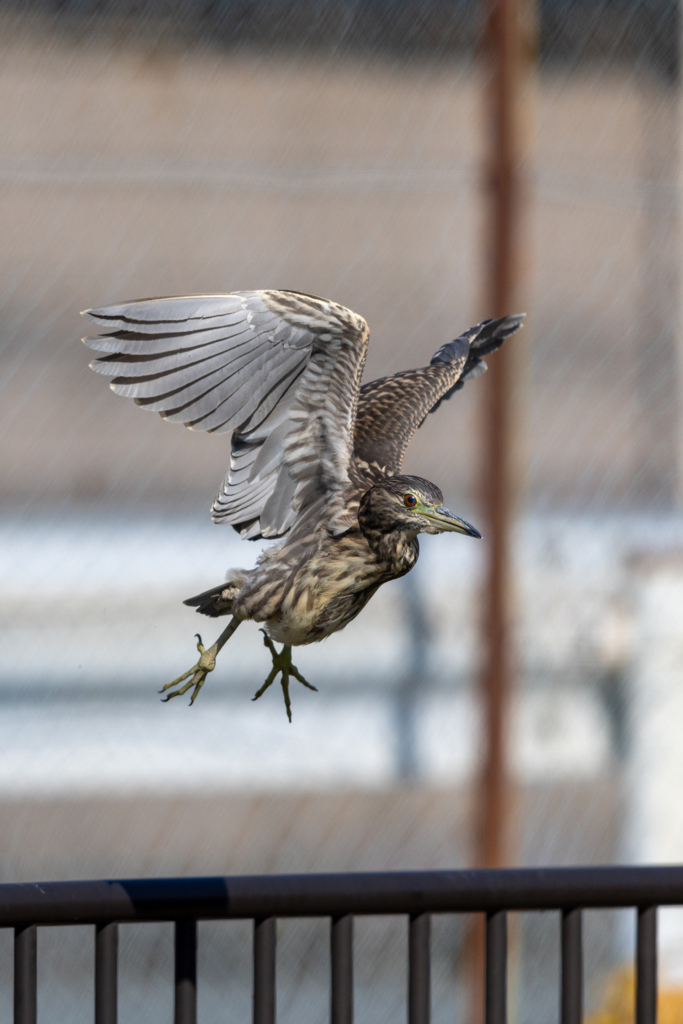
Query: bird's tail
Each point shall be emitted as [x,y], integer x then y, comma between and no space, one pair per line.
[218,600]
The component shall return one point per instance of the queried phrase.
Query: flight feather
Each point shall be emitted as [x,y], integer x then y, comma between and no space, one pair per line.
[279,369]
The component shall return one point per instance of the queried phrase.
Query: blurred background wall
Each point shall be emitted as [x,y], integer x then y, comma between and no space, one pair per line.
[336,147]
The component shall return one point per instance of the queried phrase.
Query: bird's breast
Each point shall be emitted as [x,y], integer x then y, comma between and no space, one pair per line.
[329,590]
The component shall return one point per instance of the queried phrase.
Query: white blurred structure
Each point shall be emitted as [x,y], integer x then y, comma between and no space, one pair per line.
[655,778]
[92,624]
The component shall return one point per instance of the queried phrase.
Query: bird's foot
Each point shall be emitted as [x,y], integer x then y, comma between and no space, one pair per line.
[282,663]
[197,674]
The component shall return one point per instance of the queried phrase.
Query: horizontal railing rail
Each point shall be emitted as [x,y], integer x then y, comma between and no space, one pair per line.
[340,897]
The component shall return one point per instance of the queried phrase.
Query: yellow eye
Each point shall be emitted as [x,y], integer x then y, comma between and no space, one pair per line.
[410,500]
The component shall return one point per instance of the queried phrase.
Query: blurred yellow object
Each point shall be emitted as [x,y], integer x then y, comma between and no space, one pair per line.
[618,1002]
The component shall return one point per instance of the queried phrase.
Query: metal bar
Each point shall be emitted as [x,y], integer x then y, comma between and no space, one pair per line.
[185,972]
[333,895]
[265,934]
[25,974]
[646,966]
[495,985]
[571,995]
[341,962]
[419,969]
[106,973]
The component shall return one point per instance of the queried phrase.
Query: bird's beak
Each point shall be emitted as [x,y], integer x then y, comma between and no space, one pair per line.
[448,522]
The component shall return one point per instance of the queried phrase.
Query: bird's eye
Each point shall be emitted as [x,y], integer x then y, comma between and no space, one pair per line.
[410,500]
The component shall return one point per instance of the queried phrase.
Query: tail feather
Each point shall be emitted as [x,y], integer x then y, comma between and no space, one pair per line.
[218,600]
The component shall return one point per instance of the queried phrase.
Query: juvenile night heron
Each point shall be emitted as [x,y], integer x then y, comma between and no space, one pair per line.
[315,458]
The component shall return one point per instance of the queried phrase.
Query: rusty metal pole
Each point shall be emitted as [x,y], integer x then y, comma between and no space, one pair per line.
[505,44]
[508,46]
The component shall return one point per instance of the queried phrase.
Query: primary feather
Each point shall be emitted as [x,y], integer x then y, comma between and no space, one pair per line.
[281,370]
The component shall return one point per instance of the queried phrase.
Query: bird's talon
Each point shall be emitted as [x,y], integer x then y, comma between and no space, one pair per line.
[285,692]
[197,674]
[174,682]
[267,642]
[269,680]
[182,690]
[282,663]
[297,675]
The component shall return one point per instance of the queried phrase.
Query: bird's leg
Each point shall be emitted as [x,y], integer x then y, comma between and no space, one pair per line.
[282,662]
[206,664]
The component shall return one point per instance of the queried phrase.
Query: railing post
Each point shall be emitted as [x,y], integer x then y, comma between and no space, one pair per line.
[571,997]
[25,974]
[419,969]
[495,1007]
[106,973]
[185,972]
[646,966]
[265,933]
[341,962]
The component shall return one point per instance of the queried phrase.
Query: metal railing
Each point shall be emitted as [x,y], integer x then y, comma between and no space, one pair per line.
[339,897]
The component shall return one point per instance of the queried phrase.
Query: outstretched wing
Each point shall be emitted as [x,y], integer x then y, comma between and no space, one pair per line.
[280,369]
[392,408]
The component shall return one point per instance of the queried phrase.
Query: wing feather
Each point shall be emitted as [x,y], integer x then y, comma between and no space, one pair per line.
[171,378]
[391,409]
[177,314]
[174,357]
[281,370]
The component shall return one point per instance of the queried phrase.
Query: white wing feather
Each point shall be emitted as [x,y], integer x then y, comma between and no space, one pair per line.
[280,369]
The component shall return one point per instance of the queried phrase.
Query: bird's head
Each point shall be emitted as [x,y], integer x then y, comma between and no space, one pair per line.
[411,505]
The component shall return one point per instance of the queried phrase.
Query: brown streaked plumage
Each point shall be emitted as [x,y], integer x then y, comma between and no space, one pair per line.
[315,457]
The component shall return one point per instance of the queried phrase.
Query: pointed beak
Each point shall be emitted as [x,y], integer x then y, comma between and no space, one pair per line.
[448,522]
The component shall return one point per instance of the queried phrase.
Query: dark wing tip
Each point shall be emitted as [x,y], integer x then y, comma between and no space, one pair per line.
[476,343]
[481,339]
[491,334]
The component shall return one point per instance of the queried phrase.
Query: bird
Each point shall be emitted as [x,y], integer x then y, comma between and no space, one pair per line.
[315,460]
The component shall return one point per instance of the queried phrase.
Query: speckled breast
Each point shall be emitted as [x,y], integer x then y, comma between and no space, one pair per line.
[326,594]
